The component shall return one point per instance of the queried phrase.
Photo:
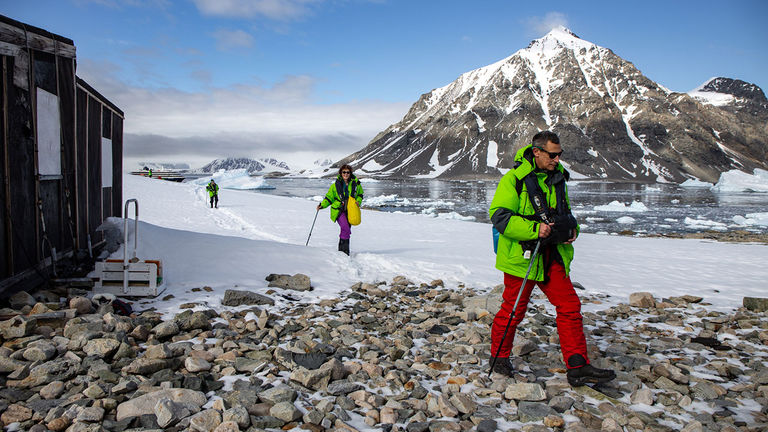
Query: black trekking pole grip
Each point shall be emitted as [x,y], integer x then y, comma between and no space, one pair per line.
[313,227]
[514,308]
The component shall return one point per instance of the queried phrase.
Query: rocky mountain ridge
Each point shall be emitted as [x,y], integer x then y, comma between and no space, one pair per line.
[254,166]
[614,122]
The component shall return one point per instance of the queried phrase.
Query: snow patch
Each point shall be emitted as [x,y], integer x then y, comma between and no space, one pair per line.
[492,160]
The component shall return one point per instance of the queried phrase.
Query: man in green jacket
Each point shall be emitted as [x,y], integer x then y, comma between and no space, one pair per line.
[531,205]
[213,193]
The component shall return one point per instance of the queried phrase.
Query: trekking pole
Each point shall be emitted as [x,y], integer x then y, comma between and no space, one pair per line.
[514,308]
[313,227]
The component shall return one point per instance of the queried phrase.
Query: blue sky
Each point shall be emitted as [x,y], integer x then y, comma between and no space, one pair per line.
[308,79]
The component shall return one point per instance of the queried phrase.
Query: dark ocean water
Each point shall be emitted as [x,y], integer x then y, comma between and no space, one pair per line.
[600,207]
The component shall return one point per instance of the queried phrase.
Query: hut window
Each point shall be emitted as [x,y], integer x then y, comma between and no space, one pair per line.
[48,134]
[106,162]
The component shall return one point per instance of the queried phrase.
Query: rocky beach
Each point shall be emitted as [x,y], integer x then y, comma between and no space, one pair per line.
[394,356]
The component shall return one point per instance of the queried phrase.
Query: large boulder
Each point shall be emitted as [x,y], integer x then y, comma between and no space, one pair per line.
[757,304]
[145,404]
[239,298]
[297,282]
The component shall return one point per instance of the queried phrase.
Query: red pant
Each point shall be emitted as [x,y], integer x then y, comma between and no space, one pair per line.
[559,290]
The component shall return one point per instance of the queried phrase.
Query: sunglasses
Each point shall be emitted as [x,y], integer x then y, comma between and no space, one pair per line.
[551,155]
[346,172]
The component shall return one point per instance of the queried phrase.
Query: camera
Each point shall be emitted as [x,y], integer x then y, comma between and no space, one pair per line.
[562,231]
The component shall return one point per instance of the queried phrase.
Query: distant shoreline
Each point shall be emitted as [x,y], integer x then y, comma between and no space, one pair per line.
[738,236]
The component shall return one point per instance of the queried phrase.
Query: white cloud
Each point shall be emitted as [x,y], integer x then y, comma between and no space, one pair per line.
[244,120]
[282,10]
[539,26]
[232,39]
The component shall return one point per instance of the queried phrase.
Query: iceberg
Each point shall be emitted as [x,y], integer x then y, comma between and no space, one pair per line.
[237,179]
[739,181]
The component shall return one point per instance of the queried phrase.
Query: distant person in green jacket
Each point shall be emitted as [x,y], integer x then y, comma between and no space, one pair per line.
[150,173]
[213,192]
[345,186]
[531,205]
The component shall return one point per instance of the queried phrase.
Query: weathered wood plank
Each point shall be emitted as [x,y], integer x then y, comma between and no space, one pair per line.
[26,39]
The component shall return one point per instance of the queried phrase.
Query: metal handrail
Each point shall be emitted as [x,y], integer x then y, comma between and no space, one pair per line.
[125,239]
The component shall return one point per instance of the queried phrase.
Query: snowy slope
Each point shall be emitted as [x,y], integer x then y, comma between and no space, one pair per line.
[252,235]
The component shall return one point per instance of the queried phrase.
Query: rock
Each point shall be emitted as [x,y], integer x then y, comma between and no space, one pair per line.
[52,390]
[237,414]
[281,393]
[554,421]
[525,392]
[642,396]
[193,364]
[757,304]
[15,413]
[101,347]
[463,403]
[239,298]
[297,282]
[522,347]
[706,390]
[285,411]
[166,329]
[227,426]
[315,379]
[642,300]
[533,411]
[205,421]
[169,413]
[40,351]
[21,299]
[60,369]
[17,327]
[337,388]
[146,366]
[311,360]
[145,404]
[158,351]
[91,415]
[82,305]
[198,320]
[266,422]
[59,424]
[8,365]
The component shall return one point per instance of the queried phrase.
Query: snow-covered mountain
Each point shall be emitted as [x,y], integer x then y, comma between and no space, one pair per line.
[613,121]
[322,163]
[162,166]
[253,166]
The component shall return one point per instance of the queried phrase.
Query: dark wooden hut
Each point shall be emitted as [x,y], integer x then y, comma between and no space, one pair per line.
[61,152]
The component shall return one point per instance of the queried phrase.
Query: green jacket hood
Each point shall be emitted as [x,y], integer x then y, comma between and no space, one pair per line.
[524,164]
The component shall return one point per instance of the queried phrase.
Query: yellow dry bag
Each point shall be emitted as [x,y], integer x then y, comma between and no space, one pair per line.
[353,212]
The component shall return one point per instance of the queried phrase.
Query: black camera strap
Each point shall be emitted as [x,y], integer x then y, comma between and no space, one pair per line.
[537,198]
[543,214]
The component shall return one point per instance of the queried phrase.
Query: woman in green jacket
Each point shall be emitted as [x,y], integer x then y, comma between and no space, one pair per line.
[345,186]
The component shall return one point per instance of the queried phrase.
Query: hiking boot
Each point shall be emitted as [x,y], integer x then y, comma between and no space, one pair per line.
[503,366]
[581,373]
[344,246]
[589,375]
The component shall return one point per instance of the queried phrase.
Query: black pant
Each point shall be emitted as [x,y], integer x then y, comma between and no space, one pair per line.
[215,198]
